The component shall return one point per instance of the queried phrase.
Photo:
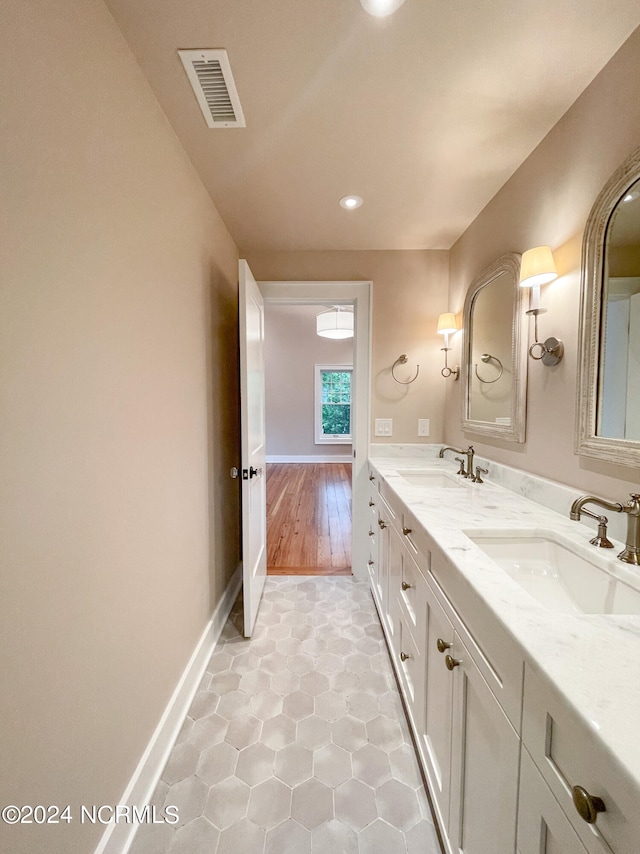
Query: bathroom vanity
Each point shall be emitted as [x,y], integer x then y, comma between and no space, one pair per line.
[522,691]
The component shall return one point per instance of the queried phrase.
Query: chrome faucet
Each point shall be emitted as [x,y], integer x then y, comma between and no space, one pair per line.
[631,551]
[468,454]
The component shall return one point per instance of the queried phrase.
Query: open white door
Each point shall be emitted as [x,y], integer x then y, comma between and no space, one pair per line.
[252,421]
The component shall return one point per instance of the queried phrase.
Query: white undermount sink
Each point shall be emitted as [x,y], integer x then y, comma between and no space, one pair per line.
[430,478]
[558,578]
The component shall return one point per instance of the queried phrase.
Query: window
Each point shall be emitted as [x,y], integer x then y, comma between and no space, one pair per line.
[333,404]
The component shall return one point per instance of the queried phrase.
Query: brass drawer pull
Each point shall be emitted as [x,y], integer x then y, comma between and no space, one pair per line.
[406,586]
[451,662]
[406,531]
[442,645]
[404,656]
[382,524]
[588,806]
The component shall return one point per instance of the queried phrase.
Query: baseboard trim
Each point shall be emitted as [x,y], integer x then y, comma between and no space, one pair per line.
[117,838]
[320,458]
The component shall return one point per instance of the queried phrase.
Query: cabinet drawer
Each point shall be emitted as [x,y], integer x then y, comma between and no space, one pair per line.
[390,506]
[542,826]
[416,540]
[567,752]
[410,667]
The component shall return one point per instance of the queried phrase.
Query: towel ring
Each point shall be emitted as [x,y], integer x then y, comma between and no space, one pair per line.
[402,360]
[487,357]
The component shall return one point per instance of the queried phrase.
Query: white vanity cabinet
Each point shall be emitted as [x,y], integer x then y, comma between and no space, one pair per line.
[566,754]
[469,748]
[380,517]
[513,766]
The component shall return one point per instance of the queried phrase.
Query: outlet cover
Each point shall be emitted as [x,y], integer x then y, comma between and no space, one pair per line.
[383,427]
[423,426]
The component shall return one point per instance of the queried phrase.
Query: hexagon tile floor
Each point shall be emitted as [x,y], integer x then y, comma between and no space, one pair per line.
[296,742]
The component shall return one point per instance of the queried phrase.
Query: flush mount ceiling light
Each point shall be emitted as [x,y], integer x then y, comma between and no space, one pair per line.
[335,323]
[381,8]
[350,203]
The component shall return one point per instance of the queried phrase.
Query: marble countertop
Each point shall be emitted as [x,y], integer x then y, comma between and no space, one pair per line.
[593,660]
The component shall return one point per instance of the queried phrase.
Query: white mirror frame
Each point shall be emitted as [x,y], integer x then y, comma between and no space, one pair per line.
[625,452]
[515,431]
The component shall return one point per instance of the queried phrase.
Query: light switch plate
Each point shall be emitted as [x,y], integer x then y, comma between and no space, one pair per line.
[423,426]
[383,427]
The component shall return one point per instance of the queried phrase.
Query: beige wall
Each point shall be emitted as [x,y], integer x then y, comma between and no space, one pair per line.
[119,414]
[292,350]
[547,201]
[409,292]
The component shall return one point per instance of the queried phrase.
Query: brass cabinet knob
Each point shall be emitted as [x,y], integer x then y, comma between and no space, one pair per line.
[382,524]
[371,533]
[370,562]
[588,806]
[406,586]
[372,503]
[404,656]
[442,645]
[451,662]
[372,477]
[406,531]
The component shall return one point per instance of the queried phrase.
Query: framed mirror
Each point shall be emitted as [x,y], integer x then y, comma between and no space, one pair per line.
[608,423]
[494,370]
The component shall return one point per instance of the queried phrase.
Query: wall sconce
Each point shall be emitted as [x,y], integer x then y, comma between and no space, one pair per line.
[538,268]
[446,326]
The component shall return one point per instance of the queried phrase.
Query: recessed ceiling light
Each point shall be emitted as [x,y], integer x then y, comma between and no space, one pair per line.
[381,8]
[350,202]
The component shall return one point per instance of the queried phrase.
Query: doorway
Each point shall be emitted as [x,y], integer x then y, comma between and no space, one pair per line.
[302,494]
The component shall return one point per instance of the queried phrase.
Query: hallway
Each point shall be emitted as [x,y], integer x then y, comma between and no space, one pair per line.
[296,742]
[309,518]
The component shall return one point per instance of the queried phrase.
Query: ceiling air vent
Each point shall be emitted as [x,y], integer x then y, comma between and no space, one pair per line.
[210,76]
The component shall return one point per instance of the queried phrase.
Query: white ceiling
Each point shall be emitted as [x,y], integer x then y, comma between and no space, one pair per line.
[425,114]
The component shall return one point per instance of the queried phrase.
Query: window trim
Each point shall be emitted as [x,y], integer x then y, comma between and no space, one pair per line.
[319,437]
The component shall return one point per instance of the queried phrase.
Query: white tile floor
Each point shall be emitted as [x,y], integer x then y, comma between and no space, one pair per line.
[296,742]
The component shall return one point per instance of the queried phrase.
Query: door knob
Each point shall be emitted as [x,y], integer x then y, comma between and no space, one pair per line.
[234,472]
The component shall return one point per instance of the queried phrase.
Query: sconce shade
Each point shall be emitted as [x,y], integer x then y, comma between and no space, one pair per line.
[447,323]
[335,323]
[381,8]
[537,267]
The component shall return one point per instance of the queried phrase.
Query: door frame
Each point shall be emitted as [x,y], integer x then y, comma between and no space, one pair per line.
[359,295]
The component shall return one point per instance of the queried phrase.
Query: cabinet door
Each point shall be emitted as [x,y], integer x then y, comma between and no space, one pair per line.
[435,738]
[484,765]
[395,560]
[543,828]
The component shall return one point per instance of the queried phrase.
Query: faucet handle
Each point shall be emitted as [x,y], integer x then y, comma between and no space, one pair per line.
[461,470]
[601,539]
[479,471]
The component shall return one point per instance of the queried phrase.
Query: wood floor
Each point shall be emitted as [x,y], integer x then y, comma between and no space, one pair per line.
[309,518]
